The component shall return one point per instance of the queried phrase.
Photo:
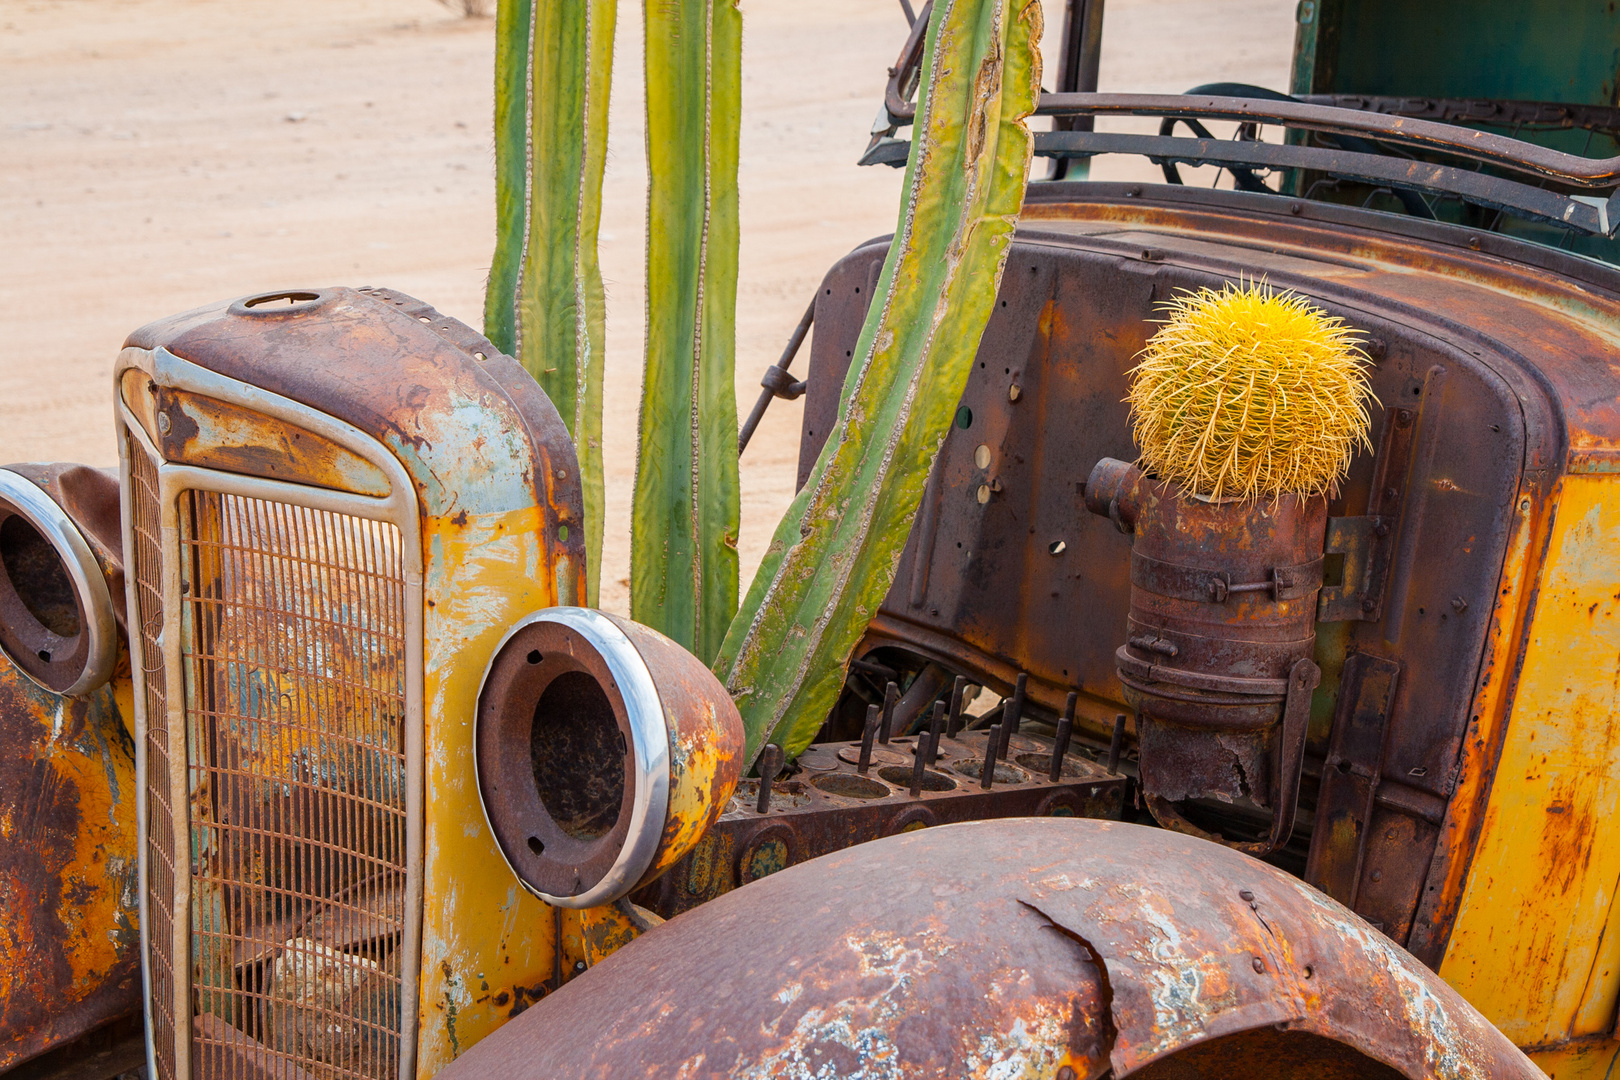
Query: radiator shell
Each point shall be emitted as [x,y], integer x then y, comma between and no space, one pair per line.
[335,503]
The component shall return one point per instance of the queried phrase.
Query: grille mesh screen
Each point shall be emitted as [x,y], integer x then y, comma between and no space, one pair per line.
[147,530]
[293,639]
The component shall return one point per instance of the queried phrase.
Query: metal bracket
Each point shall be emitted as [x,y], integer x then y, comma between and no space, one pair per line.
[1364,543]
[781,384]
[1216,586]
[1351,775]
[1303,678]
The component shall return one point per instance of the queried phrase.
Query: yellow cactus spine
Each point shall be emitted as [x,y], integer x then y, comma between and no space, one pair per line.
[1249,393]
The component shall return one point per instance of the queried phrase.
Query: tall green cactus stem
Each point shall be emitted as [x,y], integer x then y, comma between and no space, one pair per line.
[683,554]
[544,304]
[834,555]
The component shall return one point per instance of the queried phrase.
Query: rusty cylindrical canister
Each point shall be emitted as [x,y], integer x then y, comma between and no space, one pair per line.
[1223,605]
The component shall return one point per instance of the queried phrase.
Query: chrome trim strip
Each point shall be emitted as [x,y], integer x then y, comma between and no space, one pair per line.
[137,666]
[649,730]
[89,583]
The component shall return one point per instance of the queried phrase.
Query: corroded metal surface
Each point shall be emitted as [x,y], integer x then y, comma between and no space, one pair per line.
[829,805]
[69,944]
[499,510]
[566,745]
[1026,581]
[1223,611]
[197,430]
[1004,949]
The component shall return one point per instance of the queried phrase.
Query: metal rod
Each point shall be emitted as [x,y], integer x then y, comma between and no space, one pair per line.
[891,695]
[1464,142]
[1065,730]
[767,394]
[954,723]
[1077,66]
[920,763]
[936,728]
[1018,701]
[1116,743]
[987,772]
[1009,721]
[770,764]
[911,16]
[874,716]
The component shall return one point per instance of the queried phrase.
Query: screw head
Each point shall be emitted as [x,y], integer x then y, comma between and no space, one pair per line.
[1246,896]
[1367,607]
[1259,966]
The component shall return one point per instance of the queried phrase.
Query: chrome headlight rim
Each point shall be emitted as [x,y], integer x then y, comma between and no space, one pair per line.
[92,654]
[639,713]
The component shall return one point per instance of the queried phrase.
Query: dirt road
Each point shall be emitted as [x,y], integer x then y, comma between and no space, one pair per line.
[156,155]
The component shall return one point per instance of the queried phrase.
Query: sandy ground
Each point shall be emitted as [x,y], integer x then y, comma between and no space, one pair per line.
[160,154]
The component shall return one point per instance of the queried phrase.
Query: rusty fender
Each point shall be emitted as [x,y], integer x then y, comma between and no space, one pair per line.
[69,934]
[1050,948]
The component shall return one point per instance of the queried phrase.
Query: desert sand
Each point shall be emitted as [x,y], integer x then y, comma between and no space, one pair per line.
[156,155]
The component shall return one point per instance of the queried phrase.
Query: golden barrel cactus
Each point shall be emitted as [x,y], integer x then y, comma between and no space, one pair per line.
[1249,393]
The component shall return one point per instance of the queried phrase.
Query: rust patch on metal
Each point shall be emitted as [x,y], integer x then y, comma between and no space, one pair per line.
[1004,949]
[191,429]
[69,944]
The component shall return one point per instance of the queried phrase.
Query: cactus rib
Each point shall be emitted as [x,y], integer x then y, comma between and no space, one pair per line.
[834,555]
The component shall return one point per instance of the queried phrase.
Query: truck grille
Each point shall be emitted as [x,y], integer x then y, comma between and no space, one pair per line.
[159,840]
[292,635]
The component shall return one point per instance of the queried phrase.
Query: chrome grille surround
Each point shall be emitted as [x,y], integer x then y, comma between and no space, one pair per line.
[280,658]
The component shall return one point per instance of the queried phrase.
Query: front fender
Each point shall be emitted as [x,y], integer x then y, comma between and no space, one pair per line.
[1015,948]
